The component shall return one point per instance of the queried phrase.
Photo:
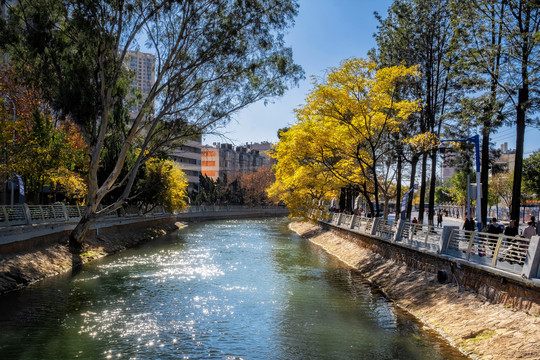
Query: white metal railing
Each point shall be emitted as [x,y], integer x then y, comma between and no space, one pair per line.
[497,251]
[421,236]
[37,214]
[12,215]
[385,229]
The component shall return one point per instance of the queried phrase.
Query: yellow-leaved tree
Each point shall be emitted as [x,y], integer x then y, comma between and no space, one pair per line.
[163,183]
[350,116]
[302,177]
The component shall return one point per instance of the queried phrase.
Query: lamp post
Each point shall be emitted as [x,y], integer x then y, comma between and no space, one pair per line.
[476,140]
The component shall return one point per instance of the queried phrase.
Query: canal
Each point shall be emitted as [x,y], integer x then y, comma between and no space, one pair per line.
[238,289]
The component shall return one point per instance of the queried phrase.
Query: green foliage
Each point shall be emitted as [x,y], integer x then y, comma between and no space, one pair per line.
[219,191]
[459,185]
[531,173]
[212,59]
[443,195]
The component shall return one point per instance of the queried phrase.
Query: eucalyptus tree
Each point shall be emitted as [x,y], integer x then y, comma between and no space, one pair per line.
[212,58]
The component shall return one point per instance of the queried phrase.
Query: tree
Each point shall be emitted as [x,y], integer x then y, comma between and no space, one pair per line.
[531,173]
[359,107]
[459,185]
[340,135]
[418,33]
[501,188]
[302,177]
[163,183]
[30,132]
[521,47]
[212,59]
[255,185]
[478,42]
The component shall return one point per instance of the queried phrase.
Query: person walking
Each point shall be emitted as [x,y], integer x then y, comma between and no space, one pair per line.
[467,226]
[439,219]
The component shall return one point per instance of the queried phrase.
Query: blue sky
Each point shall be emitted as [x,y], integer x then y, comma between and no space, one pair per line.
[325,33]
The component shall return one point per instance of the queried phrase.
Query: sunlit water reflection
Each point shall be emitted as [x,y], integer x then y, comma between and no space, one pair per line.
[246,289]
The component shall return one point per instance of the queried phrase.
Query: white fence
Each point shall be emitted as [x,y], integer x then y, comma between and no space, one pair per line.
[515,255]
[38,214]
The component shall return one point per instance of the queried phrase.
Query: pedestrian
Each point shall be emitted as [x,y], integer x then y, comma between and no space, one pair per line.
[414,220]
[493,227]
[529,231]
[511,229]
[439,219]
[533,219]
[538,228]
[467,226]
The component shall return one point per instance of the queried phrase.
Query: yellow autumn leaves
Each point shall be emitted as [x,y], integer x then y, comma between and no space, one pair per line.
[343,132]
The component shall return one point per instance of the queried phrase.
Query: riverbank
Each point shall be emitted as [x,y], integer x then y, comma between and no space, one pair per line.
[478,328]
[21,269]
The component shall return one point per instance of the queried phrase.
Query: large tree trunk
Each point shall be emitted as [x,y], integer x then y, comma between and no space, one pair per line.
[423,175]
[77,236]
[523,97]
[414,162]
[431,211]
[484,172]
[398,184]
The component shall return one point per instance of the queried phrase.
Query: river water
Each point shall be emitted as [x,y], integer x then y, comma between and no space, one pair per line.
[239,289]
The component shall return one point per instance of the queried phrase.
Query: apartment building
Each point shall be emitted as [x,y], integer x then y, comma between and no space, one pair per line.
[145,75]
[227,160]
[188,156]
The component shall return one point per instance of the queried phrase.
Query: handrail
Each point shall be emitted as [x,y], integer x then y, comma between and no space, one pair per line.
[25,214]
[497,251]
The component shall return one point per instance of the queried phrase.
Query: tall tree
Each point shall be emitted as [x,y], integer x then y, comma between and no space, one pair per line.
[348,119]
[478,42]
[520,74]
[418,32]
[39,148]
[212,59]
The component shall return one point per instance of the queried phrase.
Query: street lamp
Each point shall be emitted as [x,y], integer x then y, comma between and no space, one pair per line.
[476,140]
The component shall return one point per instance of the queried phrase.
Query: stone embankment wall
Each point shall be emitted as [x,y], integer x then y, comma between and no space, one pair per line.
[507,289]
[478,326]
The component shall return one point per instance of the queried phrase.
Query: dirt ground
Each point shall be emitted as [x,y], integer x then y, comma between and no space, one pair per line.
[21,269]
[478,328]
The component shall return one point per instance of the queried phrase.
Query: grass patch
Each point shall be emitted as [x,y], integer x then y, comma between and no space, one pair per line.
[483,335]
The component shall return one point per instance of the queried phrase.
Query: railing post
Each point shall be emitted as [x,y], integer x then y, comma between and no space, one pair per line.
[6,215]
[496,251]
[445,238]
[339,219]
[66,215]
[530,267]
[374,225]
[27,214]
[351,226]
[399,230]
